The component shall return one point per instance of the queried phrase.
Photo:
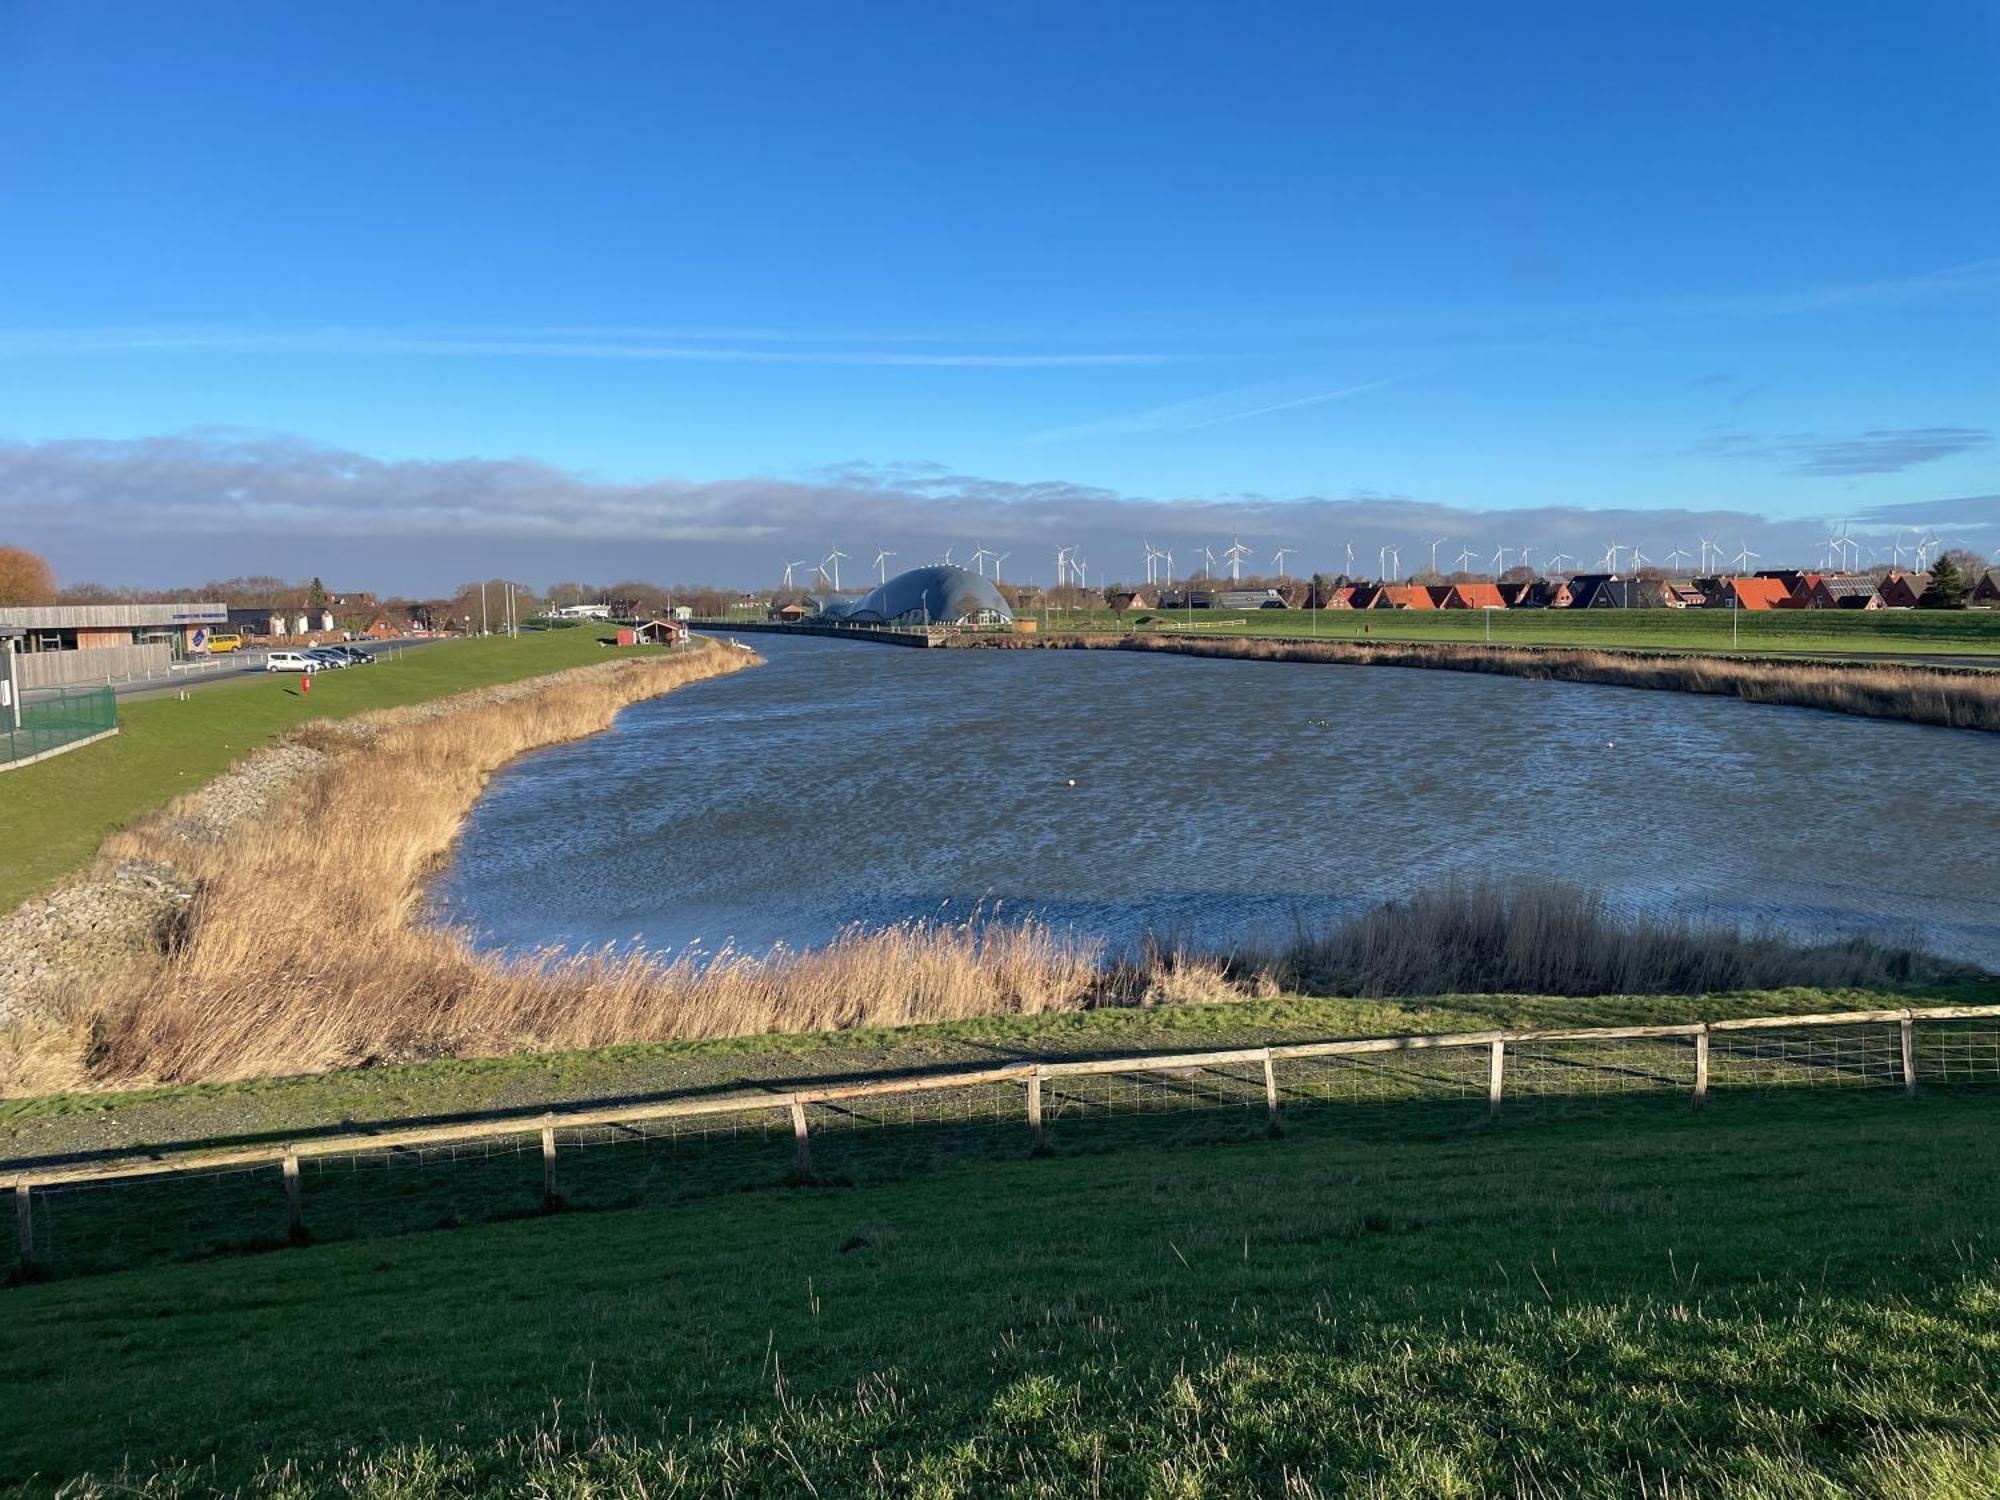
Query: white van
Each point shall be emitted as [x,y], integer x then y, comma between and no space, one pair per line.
[291,661]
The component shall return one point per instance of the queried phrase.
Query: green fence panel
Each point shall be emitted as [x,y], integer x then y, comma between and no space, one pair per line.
[51,722]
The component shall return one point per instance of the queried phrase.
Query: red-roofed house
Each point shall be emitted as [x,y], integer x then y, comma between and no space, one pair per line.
[1749,593]
[1473,596]
[1402,596]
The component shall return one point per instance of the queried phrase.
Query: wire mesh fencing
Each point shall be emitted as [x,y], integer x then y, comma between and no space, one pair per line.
[51,721]
[78,1217]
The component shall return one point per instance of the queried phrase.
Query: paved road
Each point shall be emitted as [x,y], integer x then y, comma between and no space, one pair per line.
[233,668]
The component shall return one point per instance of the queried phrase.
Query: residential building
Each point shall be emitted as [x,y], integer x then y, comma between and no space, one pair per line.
[1903,590]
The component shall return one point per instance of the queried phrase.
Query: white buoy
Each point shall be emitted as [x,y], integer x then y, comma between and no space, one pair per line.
[1072,781]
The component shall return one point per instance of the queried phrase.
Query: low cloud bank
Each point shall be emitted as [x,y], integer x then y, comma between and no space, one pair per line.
[165,510]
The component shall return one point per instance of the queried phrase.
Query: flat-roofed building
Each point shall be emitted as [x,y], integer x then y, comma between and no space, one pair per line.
[67,645]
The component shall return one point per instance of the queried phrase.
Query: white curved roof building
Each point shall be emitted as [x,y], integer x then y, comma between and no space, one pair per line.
[937,595]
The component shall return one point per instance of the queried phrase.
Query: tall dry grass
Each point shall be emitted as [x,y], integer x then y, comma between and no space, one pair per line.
[1957,699]
[1545,938]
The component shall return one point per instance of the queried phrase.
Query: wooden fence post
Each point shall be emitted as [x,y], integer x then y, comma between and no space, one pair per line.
[1701,1067]
[1493,1075]
[551,1199]
[1270,1088]
[1908,1027]
[1038,1141]
[802,1154]
[24,1225]
[295,1219]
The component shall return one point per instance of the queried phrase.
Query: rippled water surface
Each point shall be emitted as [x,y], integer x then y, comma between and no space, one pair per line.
[1216,800]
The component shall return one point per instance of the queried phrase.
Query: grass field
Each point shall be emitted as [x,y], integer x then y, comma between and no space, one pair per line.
[53,815]
[1784,1297]
[1897,632]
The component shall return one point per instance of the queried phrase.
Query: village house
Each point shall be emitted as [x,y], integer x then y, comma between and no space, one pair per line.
[1747,593]
[1836,591]
[1473,596]
[1986,592]
[1903,590]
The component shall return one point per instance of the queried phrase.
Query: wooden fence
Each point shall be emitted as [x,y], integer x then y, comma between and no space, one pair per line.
[1870,1057]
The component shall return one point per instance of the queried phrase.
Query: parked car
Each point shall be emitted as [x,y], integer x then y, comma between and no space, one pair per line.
[226,640]
[353,655]
[326,656]
[292,661]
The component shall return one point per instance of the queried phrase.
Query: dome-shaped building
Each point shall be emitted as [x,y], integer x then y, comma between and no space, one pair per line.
[939,595]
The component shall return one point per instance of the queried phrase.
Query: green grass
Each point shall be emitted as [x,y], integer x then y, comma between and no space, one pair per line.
[1779,1297]
[54,814]
[1899,632]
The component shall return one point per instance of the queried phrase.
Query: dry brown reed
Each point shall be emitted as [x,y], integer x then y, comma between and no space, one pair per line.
[1545,938]
[1957,699]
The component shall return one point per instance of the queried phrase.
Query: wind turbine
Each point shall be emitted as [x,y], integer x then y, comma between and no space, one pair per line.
[1611,558]
[1208,562]
[1463,558]
[1279,557]
[1382,561]
[1676,557]
[788,571]
[1152,561]
[1235,552]
[1436,542]
[1707,544]
[1557,560]
[1499,561]
[947,554]
[1744,556]
[834,557]
[882,566]
[979,558]
[1350,559]
[1638,560]
[999,558]
[1524,560]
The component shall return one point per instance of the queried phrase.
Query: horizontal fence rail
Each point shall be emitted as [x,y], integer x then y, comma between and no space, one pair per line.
[1479,1069]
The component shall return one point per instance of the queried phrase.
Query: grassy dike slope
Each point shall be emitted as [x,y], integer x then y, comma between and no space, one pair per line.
[1776,1298]
[53,815]
[1970,633]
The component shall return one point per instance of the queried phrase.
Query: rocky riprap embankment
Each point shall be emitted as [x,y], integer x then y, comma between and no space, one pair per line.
[120,910]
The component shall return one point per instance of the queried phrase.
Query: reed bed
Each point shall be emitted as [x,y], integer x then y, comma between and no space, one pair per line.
[1546,938]
[1956,699]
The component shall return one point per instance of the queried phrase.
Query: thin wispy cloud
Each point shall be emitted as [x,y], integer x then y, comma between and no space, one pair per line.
[753,347]
[1204,411]
[1879,450]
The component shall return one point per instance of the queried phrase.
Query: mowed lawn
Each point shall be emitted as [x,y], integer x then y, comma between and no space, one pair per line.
[1776,1298]
[1840,632]
[54,814]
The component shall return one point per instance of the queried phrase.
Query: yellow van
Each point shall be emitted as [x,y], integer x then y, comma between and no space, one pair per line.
[224,641]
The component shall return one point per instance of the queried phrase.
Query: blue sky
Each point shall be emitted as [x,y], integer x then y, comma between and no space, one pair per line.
[1734,258]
